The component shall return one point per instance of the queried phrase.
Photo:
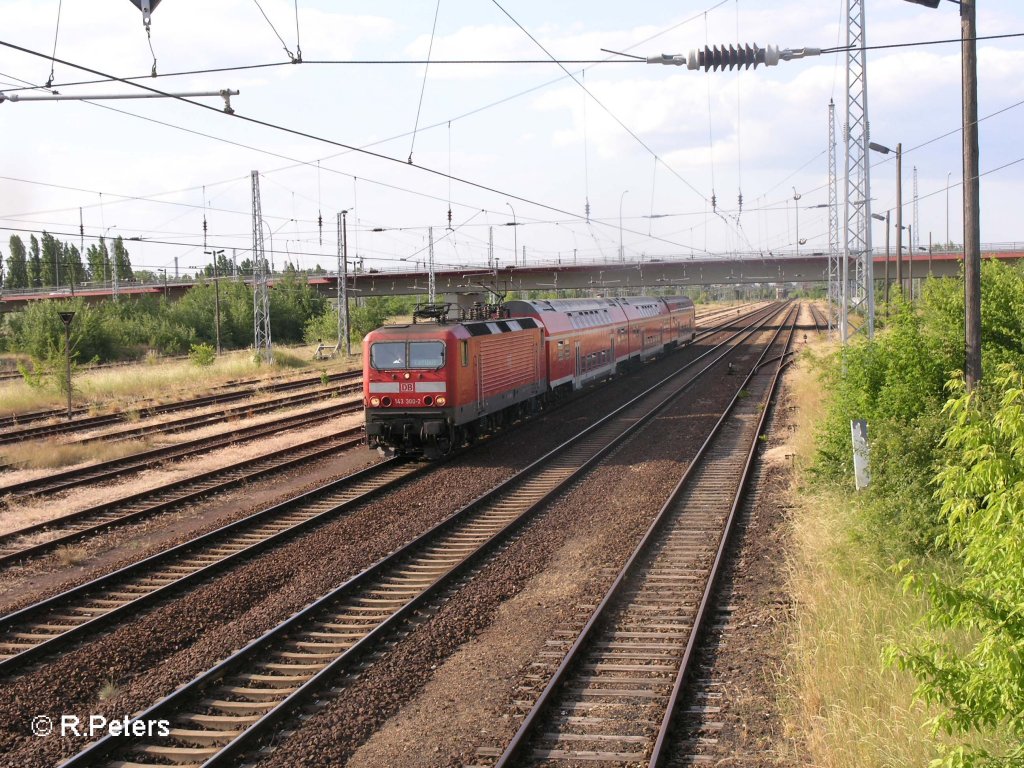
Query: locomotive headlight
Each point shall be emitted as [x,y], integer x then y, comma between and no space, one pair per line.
[375,401]
[440,401]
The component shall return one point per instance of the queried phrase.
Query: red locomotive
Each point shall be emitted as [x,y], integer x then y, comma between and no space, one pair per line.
[430,386]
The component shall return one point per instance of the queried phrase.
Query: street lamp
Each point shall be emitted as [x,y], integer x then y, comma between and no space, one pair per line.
[216,291]
[622,253]
[885,218]
[515,234]
[899,205]
[66,318]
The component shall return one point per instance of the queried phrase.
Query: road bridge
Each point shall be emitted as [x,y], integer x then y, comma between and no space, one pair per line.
[605,277]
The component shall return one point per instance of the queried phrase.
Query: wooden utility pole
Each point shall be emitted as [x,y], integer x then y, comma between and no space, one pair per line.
[972,194]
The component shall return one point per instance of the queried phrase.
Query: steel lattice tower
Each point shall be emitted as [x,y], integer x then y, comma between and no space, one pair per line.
[835,258]
[260,295]
[858,288]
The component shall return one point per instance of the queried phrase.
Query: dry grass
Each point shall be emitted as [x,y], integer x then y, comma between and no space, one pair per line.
[847,706]
[49,454]
[70,555]
[109,690]
[114,388]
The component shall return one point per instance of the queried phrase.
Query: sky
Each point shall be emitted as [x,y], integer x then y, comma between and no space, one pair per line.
[525,142]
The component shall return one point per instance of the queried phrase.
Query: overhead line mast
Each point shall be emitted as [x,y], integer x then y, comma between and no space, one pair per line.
[858,292]
[835,258]
[260,294]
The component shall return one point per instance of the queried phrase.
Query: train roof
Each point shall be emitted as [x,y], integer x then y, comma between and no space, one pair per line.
[472,328]
[678,302]
[557,305]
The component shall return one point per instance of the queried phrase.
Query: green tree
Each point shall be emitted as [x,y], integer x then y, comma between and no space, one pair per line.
[71,265]
[292,303]
[17,265]
[121,262]
[50,273]
[99,262]
[979,684]
[35,263]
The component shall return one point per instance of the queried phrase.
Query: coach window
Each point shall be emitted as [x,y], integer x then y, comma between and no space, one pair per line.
[426,354]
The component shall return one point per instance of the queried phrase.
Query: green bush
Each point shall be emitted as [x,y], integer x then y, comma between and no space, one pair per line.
[897,381]
[979,684]
[202,354]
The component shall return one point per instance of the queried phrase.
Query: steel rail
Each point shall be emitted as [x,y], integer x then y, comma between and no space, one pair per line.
[103,516]
[87,522]
[90,422]
[37,629]
[700,621]
[415,574]
[570,661]
[105,470]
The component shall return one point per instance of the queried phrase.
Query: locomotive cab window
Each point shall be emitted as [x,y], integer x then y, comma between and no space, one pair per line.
[426,354]
[464,348]
[388,355]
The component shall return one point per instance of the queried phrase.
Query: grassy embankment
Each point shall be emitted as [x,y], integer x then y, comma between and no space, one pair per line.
[106,389]
[847,707]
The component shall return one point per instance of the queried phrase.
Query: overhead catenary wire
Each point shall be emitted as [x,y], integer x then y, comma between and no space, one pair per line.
[56,32]
[450,180]
[468,114]
[630,59]
[307,135]
[277,34]
[55,233]
[423,87]
[597,101]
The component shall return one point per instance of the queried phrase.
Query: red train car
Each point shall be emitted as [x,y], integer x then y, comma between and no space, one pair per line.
[586,339]
[429,387]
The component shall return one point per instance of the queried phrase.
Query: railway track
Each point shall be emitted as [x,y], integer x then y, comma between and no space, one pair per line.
[723,313]
[46,537]
[613,689]
[12,434]
[205,419]
[820,321]
[25,543]
[56,622]
[106,470]
[222,712]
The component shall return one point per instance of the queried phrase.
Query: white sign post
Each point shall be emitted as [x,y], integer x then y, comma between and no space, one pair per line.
[861,459]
